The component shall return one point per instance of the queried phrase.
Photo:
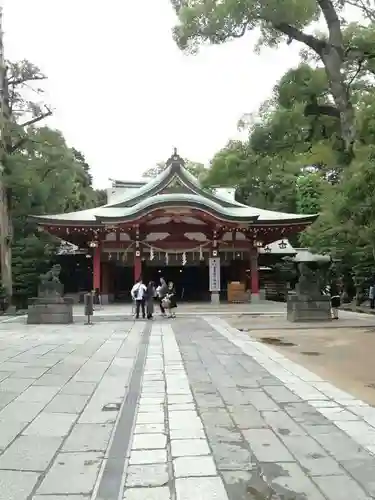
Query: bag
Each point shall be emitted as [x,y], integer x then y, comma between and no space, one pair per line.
[166,303]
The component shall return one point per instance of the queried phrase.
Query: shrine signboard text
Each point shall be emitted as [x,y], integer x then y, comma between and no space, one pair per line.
[214,270]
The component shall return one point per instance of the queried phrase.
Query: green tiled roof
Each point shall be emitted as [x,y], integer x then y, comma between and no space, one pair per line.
[148,198]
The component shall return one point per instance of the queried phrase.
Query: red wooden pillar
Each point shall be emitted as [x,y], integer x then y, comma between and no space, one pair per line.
[96,268]
[254,273]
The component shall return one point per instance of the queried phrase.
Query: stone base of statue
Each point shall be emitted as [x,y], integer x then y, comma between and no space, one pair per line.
[49,311]
[50,307]
[306,307]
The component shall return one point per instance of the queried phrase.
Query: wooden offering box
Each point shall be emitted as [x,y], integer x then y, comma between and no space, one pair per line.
[237,292]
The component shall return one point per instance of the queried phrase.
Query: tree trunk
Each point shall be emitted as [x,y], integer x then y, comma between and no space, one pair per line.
[333,57]
[5,243]
[333,63]
[5,225]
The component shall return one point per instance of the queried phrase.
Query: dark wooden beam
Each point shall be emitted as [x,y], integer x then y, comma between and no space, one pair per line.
[176,228]
[176,245]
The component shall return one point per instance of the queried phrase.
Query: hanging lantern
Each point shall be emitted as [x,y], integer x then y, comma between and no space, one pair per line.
[184,259]
[152,253]
[166,258]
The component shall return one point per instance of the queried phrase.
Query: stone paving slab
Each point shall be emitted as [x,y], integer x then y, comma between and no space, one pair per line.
[315,435]
[189,408]
[55,382]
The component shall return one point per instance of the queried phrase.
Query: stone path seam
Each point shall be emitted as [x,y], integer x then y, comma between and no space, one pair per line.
[147,471]
[177,464]
[43,477]
[252,460]
[110,481]
[195,472]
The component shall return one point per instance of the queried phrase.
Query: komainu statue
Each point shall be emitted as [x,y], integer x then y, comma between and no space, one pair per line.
[308,303]
[50,307]
[308,283]
[50,284]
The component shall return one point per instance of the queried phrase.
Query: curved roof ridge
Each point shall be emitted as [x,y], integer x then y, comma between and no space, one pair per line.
[176,200]
[197,183]
[175,167]
[177,197]
[153,183]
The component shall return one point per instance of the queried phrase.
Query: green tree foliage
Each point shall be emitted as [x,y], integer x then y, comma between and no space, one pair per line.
[45,177]
[262,181]
[195,168]
[100,197]
[288,154]
[309,190]
[346,227]
[291,161]
[42,174]
[155,171]
[22,78]
[32,254]
[340,54]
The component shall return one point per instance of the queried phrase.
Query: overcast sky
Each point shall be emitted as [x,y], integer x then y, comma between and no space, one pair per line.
[123,93]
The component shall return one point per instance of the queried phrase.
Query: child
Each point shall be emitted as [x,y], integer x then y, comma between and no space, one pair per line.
[171,296]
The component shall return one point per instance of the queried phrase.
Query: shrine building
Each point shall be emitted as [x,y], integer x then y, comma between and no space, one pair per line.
[205,241]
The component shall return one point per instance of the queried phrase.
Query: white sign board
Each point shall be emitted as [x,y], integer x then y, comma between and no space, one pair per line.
[214,267]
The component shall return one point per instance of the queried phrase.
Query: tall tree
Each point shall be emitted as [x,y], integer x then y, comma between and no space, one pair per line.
[155,171]
[100,197]
[287,21]
[45,176]
[17,114]
[310,188]
[263,181]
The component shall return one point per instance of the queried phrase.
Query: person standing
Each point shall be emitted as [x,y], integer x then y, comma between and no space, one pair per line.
[171,296]
[371,296]
[138,293]
[335,300]
[150,299]
[162,291]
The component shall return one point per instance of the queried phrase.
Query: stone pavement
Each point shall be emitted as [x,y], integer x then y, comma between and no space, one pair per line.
[181,409]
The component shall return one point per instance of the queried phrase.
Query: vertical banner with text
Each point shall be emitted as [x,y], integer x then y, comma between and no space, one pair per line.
[214,268]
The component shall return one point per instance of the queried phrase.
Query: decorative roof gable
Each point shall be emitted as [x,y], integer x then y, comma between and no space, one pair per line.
[174,179]
[175,186]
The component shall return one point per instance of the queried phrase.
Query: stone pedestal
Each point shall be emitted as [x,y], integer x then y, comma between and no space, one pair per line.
[215,298]
[301,307]
[107,298]
[262,294]
[43,311]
